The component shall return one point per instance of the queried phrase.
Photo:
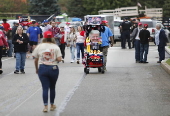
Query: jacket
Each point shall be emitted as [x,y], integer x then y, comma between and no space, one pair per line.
[144,36]
[20,47]
[2,39]
[162,38]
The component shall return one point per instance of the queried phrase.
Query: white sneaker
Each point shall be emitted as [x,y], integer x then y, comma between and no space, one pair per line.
[72,61]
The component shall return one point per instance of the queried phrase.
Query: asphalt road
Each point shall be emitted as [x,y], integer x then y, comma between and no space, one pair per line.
[126,89]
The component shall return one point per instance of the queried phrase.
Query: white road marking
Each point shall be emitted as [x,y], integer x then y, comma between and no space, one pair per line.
[24,102]
[68,97]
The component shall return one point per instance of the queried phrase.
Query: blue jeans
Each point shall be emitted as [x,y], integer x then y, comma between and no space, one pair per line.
[20,60]
[72,51]
[48,75]
[9,52]
[144,52]
[80,46]
[137,50]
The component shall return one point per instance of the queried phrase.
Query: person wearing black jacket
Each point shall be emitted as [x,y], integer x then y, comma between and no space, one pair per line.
[125,35]
[161,41]
[144,36]
[20,41]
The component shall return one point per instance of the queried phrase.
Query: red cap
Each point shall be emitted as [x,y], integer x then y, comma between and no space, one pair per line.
[67,23]
[48,34]
[104,21]
[146,25]
[139,23]
[29,23]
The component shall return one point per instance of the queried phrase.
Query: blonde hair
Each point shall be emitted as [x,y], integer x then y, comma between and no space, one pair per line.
[20,28]
[50,40]
[74,31]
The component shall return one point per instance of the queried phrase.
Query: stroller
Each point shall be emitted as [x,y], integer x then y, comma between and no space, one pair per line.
[93,58]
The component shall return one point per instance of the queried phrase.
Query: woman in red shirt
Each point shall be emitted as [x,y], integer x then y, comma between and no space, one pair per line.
[62,43]
[2,43]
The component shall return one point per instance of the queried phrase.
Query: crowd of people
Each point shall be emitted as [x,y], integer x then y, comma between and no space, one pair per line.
[47,47]
[136,33]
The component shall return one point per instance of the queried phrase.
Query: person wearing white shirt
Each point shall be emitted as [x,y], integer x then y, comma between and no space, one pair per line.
[135,34]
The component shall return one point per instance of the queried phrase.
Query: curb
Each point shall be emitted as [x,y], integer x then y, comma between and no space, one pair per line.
[167,49]
[166,67]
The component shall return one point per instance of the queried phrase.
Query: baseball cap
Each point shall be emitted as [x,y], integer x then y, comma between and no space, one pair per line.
[48,34]
[139,23]
[104,21]
[67,23]
[145,25]
[45,21]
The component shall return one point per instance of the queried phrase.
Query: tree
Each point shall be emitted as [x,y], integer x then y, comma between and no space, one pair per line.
[92,7]
[43,7]
[75,8]
[166,9]
[63,5]
[13,6]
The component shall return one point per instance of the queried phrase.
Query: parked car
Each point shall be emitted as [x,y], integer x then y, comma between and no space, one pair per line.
[117,33]
[152,27]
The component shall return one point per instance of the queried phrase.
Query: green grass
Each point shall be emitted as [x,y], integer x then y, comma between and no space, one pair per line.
[168,61]
[7,18]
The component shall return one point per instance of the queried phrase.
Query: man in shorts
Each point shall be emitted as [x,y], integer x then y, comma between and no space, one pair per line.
[34,35]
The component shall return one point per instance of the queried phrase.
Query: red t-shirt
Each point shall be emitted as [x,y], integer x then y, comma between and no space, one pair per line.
[62,38]
[6,26]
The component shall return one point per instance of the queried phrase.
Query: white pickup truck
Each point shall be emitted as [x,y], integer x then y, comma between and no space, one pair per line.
[152,27]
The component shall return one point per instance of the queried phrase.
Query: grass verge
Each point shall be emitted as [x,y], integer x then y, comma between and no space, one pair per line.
[168,61]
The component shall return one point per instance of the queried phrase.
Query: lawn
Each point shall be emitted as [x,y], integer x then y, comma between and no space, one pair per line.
[168,61]
[7,18]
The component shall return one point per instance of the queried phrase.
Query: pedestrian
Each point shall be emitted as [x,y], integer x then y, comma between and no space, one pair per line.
[3,42]
[144,36]
[62,43]
[80,38]
[47,26]
[160,41]
[33,33]
[105,42]
[125,35]
[9,40]
[55,33]
[20,41]
[41,33]
[71,42]
[5,25]
[14,28]
[47,54]
[135,35]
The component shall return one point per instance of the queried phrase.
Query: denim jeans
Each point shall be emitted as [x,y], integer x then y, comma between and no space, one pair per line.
[72,51]
[20,60]
[9,52]
[137,50]
[48,75]
[144,52]
[80,47]
[161,50]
